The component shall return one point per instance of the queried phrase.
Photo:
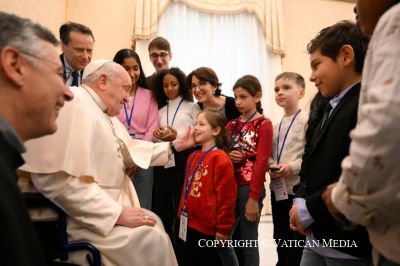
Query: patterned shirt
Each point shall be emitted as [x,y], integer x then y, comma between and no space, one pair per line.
[254,140]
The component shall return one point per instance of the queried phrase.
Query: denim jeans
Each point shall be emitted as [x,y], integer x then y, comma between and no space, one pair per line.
[143,183]
[246,230]
[312,258]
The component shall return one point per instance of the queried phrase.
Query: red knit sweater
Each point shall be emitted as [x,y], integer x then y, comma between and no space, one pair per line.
[212,195]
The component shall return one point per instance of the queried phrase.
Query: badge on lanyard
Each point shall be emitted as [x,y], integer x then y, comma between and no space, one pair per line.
[184,214]
[280,189]
[183,226]
[279,185]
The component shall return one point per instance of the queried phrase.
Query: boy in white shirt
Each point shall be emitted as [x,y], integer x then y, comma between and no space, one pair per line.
[285,162]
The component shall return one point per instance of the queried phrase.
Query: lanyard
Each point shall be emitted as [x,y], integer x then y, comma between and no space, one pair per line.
[129,117]
[176,111]
[233,134]
[279,154]
[189,182]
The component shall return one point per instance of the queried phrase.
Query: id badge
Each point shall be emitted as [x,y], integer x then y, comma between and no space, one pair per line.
[171,159]
[280,189]
[183,226]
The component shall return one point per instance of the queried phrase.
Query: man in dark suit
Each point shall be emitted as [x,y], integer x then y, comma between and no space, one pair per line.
[77,45]
[336,57]
[32,91]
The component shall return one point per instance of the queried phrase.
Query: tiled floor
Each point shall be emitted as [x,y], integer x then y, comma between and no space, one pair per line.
[267,249]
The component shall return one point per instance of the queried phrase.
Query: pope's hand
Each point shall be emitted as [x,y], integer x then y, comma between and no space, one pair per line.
[134,217]
[186,141]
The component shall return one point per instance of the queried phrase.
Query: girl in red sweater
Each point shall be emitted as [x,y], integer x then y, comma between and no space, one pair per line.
[207,207]
[251,135]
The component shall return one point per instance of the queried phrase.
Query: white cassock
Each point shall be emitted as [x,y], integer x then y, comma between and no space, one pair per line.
[81,168]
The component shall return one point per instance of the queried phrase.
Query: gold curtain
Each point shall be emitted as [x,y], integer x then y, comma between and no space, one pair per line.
[268,13]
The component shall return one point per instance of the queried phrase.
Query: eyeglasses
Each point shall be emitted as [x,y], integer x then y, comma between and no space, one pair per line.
[202,85]
[59,71]
[38,58]
[155,56]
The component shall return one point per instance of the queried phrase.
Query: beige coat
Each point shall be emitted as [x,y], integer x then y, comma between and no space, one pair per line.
[368,192]
[81,169]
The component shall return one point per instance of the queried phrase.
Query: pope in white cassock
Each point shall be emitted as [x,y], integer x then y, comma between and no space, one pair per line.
[82,168]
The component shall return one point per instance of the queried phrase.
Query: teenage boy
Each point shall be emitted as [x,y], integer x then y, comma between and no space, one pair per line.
[160,55]
[336,57]
[287,150]
[368,191]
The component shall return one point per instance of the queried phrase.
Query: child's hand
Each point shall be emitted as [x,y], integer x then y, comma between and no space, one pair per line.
[273,169]
[236,156]
[295,222]
[251,211]
[159,133]
[165,133]
[284,171]
[222,237]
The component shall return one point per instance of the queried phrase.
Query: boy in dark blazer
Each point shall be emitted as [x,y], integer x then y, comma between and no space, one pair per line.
[368,191]
[336,58]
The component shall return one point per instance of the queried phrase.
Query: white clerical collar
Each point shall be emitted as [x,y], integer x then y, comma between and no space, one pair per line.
[95,97]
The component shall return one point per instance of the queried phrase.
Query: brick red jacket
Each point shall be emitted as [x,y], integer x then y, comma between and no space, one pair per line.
[212,194]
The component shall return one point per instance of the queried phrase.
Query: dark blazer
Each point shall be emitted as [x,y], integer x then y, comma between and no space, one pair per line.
[19,244]
[324,168]
[65,71]
[231,111]
[150,80]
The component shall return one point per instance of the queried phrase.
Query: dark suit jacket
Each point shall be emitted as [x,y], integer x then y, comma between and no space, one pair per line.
[231,111]
[324,168]
[150,80]
[19,244]
[65,72]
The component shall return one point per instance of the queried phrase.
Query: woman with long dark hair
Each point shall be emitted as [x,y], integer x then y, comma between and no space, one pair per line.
[140,117]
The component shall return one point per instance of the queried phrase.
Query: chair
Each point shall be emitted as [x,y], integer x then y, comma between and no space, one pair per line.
[53,234]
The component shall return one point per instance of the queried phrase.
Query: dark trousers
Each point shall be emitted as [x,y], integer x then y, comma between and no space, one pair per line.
[167,190]
[288,256]
[143,183]
[194,252]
